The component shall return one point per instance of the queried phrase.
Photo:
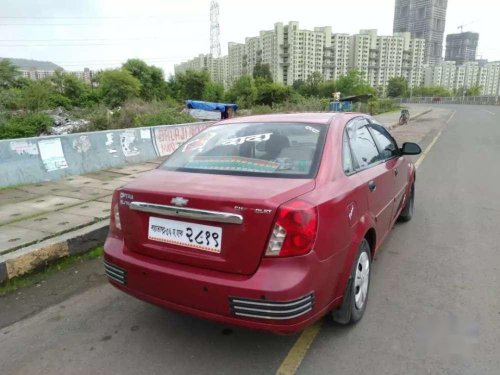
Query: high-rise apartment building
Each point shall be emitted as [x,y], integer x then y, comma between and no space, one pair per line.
[217,67]
[423,19]
[379,58]
[294,54]
[489,78]
[461,47]
[453,77]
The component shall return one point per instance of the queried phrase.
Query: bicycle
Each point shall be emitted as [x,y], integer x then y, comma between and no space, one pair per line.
[405,117]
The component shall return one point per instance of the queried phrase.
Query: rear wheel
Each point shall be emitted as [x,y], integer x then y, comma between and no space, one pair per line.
[407,212]
[356,295]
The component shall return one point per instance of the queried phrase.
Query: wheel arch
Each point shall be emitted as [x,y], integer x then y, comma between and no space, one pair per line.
[371,237]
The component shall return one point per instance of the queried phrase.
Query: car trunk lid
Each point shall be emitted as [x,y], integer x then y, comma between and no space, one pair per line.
[228,217]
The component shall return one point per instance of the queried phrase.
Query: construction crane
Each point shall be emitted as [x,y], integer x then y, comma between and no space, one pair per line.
[461,27]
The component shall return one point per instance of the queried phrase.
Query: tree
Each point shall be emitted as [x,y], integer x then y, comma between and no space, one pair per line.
[312,84]
[470,91]
[191,84]
[397,87]
[298,85]
[214,92]
[243,91]
[153,85]
[353,84]
[69,86]
[8,74]
[262,71]
[117,85]
[37,95]
[272,93]
[431,91]
[327,89]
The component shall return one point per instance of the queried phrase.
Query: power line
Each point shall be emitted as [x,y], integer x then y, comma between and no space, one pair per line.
[80,40]
[81,17]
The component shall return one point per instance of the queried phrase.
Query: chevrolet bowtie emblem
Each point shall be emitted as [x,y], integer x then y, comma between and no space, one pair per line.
[179,201]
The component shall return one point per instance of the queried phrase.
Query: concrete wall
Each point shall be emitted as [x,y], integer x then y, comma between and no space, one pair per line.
[32,160]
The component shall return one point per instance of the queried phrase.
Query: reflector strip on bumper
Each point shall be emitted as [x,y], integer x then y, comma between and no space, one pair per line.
[115,273]
[264,309]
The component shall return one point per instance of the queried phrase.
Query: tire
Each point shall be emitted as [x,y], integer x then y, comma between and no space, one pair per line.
[356,295]
[401,120]
[407,213]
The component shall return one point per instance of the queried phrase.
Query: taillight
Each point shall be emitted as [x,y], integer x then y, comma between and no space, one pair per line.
[115,223]
[116,216]
[294,231]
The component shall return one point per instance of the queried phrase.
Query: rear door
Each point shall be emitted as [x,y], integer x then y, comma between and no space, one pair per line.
[394,161]
[374,173]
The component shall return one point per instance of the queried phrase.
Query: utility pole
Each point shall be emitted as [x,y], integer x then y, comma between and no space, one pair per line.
[215,50]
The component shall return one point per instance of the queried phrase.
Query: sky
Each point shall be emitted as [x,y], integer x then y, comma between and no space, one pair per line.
[102,34]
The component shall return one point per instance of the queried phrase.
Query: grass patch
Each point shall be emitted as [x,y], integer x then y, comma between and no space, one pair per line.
[56,266]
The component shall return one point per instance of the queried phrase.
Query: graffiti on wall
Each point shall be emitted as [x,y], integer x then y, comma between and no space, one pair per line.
[168,139]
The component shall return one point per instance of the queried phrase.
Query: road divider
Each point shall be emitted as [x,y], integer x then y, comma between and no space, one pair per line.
[38,159]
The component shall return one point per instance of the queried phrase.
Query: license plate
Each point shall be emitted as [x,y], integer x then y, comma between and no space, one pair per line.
[197,236]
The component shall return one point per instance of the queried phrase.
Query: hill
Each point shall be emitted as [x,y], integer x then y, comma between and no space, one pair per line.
[33,64]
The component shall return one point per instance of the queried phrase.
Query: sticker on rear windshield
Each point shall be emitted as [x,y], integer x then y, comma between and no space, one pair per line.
[198,144]
[310,128]
[248,138]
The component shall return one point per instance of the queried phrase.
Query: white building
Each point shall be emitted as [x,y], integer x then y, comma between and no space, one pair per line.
[489,78]
[454,77]
[38,74]
[293,54]
[216,67]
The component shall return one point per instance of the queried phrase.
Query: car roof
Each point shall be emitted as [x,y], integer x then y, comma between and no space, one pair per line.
[321,118]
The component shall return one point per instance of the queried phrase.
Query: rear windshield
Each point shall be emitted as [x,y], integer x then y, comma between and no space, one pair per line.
[272,150]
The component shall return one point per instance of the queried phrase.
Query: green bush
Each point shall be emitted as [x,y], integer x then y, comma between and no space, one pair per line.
[167,116]
[261,110]
[30,125]
[377,106]
[11,99]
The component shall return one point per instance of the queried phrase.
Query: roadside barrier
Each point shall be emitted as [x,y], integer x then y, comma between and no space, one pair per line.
[38,159]
[472,100]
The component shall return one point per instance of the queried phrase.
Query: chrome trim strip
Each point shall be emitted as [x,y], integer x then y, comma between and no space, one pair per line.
[115,270]
[118,280]
[273,304]
[114,274]
[188,213]
[273,317]
[309,304]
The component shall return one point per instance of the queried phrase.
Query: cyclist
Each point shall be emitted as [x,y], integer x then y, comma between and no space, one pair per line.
[405,117]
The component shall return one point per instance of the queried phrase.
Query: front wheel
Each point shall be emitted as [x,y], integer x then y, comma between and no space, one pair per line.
[356,296]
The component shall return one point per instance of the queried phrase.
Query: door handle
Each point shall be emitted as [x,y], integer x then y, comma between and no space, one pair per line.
[396,171]
[372,186]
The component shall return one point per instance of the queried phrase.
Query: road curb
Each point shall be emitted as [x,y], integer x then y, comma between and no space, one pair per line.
[396,124]
[35,257]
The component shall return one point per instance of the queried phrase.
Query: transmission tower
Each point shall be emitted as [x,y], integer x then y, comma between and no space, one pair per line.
[214,29]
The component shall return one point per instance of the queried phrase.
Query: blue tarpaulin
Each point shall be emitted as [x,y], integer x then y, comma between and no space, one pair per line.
[208,106]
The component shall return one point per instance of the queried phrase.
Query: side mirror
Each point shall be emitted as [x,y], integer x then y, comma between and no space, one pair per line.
[410,148]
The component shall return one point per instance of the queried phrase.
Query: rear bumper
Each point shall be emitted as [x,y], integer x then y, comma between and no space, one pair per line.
[283,296]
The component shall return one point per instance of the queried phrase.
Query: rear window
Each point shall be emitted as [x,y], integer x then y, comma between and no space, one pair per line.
[272,150]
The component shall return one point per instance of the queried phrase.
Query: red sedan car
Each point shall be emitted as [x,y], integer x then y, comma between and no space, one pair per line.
[267,222]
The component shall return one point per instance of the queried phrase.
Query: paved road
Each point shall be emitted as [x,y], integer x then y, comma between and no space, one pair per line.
[434,303]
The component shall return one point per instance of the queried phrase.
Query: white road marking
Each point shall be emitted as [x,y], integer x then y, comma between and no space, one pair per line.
[295,356]
[491,113]
[428,149]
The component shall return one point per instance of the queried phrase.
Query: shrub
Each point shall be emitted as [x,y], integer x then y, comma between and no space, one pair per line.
[261,109]
[167,116]
[30,125]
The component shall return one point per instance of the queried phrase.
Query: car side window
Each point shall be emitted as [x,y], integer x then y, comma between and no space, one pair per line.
[387,145]
[347,161]
[364,149]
